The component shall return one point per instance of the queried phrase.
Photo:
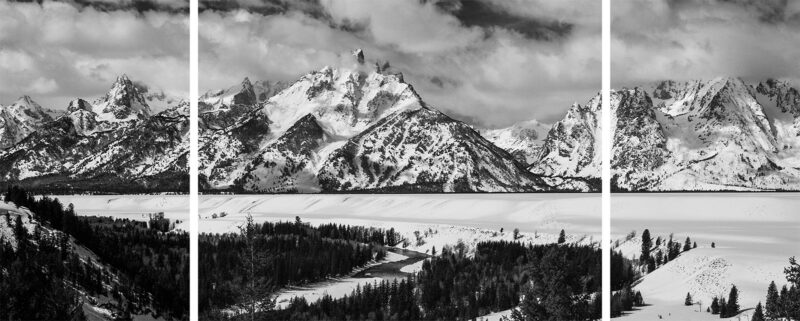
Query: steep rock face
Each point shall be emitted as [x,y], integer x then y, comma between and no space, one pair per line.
[639,143]
[287,165]
[422,149]
[225,151]
[19,120]
[721,134]
[572,146]
[523,140]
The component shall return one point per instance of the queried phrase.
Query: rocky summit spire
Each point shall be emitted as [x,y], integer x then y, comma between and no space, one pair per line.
[123,101]
[359,54]
[247,94]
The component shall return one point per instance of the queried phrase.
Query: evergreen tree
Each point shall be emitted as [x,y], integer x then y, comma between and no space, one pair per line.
[792,305]
[694,245]
[647,243]
[687,245]
[733,302]
[784,305]
[773,302]
[562,237]
[256,293]
[713,245]
[758,315]
[715,305]
[723,308]
[688,300]
[516,233]
[793,272]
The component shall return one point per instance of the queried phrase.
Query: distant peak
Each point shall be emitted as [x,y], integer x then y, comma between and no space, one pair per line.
[123,78]
[78,104]
[26,99]
[246,83]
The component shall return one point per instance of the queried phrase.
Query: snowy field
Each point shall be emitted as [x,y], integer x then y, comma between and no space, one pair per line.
[755,234]
[134,207]
[578,214]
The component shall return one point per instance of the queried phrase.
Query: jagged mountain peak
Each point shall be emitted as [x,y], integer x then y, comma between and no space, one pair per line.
[27,111]
[344,100]
[123,102]
[246,95]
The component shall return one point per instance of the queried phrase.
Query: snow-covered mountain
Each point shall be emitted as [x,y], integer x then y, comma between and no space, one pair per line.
[572,148]
[20,119]
[356,128]
[523,140]
[721,134]
[115,143]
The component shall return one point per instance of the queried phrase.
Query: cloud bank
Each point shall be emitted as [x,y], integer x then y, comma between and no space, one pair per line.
[701,39]
[493,62]
[57,51]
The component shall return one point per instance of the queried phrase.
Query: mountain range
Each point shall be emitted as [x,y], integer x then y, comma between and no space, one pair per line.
[723,134]
[364,129]
[114,144]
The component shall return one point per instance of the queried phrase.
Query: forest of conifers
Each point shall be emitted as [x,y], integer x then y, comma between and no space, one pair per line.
[144,269]
[557,281]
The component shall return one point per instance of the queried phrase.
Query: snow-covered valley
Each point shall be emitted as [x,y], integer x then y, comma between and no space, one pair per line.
[429,222]
[754,236]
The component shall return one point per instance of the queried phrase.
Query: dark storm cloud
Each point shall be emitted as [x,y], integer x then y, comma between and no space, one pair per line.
[767,11]
[312,8]
[141,6]
[497,61]
[488,15]
[701,39]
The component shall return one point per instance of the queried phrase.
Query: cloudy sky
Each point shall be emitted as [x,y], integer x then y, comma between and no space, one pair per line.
[701,39]
[491,62]
[57,51]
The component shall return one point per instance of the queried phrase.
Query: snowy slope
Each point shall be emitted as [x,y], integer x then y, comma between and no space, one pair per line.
[523,140]
[753,243]
[721,134]
[424,149]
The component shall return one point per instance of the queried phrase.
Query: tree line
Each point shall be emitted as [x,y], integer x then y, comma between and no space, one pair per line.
[279,254]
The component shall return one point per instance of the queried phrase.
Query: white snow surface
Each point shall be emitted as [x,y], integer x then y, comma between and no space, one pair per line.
[133,207]
[755,234]
[546,213]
